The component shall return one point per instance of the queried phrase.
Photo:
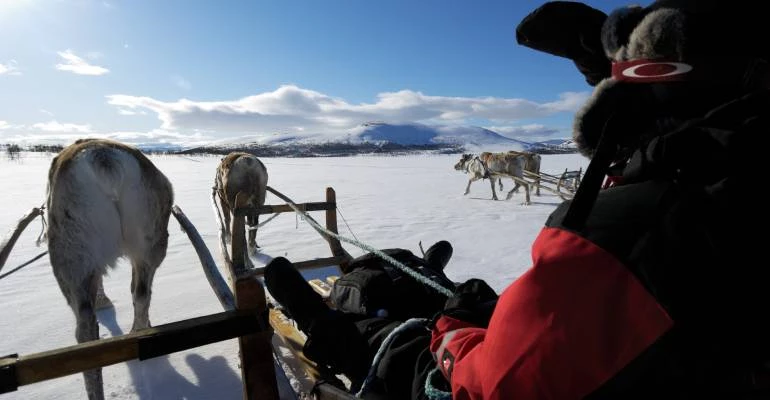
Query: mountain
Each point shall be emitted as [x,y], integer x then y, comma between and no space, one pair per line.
[381,137]
[417,134]
[370,137]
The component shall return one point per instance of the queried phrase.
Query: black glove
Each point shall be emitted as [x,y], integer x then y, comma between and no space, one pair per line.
[473,301]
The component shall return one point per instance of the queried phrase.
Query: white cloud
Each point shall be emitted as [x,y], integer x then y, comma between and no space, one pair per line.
[181,82]
[73,63]
[4,125]
[94,55]
[530,131]
[123,111]
[293,109]
[46,112]
[55,126]
[9,68]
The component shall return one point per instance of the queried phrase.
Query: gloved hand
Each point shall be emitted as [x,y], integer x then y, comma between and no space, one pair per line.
[473,301]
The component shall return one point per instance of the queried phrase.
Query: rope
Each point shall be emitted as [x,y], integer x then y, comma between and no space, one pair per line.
[431,391]
[261,224]
[339,211]
[405,326]
[43,227]
[37,257]
[414,274]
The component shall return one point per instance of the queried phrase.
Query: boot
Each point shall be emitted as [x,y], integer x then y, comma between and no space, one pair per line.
[438,255]
[289,288]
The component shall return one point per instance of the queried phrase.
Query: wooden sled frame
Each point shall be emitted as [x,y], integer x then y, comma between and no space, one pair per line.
[246,317]
[245,323]
[564,185]
[257,357]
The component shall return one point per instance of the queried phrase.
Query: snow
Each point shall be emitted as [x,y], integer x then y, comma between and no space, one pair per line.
[385,201]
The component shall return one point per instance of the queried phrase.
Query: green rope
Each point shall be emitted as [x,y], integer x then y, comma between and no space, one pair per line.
[431,391]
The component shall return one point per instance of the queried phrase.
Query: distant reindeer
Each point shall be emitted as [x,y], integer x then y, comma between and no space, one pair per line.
[105,200]
[241,181]
[494,166]
[532,164]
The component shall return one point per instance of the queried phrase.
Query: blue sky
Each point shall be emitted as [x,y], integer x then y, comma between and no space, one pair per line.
[181,70]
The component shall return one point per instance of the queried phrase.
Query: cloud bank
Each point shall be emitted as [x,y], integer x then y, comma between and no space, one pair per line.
[291,109]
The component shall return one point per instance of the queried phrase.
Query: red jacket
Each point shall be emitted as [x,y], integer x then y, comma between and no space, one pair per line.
[560,331]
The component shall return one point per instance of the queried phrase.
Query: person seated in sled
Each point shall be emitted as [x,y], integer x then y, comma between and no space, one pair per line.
[372,300]
[655,287]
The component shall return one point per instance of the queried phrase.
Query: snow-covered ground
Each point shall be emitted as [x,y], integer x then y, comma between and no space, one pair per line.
[383,201]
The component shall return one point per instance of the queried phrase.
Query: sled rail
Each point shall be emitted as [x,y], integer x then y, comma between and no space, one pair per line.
[6,245]
[16,371]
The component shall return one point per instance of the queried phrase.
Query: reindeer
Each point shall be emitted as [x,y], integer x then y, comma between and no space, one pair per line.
[531,164]
[494,166]
[241,181]
[105,200]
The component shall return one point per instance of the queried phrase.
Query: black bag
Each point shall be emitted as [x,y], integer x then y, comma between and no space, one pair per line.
[374,287]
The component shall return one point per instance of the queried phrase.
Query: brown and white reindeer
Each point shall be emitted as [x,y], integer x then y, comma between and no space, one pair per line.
[241,181]
[105,200]
[494,166]
[531,164]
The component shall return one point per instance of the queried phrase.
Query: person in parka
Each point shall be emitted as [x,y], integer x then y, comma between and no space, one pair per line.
[656,287]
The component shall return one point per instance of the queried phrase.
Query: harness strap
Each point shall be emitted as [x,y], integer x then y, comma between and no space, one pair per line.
[586,194]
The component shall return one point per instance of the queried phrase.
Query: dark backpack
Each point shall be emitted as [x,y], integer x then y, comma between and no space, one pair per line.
[374,287]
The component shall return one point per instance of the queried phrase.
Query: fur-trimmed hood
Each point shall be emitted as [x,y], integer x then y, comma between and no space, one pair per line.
[652,66]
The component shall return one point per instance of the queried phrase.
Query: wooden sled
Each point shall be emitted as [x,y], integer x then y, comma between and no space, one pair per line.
[310,380]
[564,185]
[247,316]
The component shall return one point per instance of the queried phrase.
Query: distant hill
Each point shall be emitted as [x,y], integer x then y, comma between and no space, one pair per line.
[368,138]
[380,137]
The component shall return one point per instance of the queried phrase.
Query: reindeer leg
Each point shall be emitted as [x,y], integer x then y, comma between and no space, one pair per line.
[253,221]
[492,182]
[226,216]
[80,294]
[82,301]
[500,181]
[468,188]
[141,289]
[510,194]
[526,194]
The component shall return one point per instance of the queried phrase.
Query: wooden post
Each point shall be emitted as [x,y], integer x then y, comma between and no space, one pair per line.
[331,225]
[256,353]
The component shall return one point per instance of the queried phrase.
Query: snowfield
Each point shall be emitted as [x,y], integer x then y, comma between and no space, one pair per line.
[383,201]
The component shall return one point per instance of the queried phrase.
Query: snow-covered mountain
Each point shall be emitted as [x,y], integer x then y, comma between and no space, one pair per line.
[381,137]
[419,134]
[370,137]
